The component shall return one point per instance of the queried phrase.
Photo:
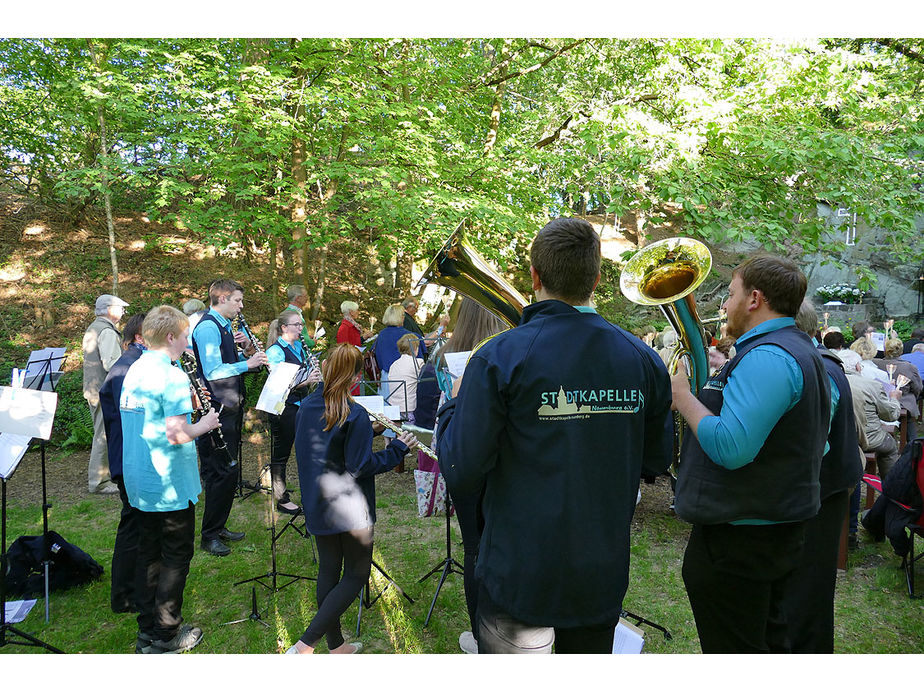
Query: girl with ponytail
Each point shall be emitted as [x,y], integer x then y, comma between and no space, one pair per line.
[336,471]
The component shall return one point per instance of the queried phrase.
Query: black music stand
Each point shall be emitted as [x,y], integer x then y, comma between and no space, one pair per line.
[447,566]
[6,628]
[364,594]
[44,380]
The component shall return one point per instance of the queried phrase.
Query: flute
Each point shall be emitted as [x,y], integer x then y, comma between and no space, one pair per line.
[188,364]
[397,429]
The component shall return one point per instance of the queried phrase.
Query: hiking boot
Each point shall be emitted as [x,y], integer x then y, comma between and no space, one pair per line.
[186,639]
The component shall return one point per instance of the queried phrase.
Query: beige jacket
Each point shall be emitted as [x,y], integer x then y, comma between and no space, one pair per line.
[871,406]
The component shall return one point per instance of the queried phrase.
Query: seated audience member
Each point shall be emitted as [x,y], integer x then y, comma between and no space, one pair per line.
[867,351]
[668,344]
[917,337]
[870,399]
[910,391]
[833,340]
[406,370]
[916,358]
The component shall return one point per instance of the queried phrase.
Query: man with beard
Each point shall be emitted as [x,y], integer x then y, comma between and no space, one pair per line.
[749,473]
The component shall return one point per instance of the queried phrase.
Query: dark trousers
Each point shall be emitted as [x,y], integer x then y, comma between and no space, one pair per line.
[282,430]
[165,549]
[124,556]
[501,633]
[219,481]
[471,524]
[736,578]
[809,604]
[344,563]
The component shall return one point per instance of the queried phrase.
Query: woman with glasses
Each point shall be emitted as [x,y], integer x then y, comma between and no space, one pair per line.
[286,346]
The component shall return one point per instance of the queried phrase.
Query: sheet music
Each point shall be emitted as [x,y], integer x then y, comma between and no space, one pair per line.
[273,396]
[38,358]
[627,639]
[18,610]
[27,412]
[373,403]
[12,449]
[456,361]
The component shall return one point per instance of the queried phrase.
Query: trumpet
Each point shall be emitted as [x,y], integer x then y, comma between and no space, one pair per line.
[397,429]
[189,366]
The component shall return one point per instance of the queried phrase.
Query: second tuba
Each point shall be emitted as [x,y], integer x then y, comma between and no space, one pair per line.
[458,267]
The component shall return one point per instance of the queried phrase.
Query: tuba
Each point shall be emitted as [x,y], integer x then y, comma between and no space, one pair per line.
[458,267]
[665,274]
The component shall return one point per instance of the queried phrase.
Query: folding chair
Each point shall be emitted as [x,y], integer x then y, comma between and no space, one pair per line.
[915,527]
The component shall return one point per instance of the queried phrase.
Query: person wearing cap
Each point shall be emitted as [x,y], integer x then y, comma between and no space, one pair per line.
[101,349]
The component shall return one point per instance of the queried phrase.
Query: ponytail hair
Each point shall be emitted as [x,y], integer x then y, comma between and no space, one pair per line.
[272,335]
[338,371]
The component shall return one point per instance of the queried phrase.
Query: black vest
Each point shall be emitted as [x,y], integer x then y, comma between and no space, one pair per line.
[781,484]
[841,468]
[228,391]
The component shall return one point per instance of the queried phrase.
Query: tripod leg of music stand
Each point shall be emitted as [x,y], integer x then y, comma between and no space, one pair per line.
[446,570]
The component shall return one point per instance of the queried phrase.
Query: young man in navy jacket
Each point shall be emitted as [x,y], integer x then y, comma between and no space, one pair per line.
[556,418]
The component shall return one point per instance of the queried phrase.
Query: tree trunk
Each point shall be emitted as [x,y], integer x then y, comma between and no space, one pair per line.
[299,214]
[107,200]
[319,290]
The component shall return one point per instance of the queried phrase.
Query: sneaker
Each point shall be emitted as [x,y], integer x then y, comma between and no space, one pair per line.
[468,643]
[143,642]
[186,639]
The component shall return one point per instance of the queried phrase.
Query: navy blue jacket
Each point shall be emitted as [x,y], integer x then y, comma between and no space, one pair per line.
[386,346]
[557,418]
[109,395]
[337,468]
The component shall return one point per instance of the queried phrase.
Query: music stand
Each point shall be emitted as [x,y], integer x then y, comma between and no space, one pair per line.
[366,601]
[447,566]
[23,433]
[45,380]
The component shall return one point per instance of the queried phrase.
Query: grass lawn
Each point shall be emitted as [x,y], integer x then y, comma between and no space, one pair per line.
[873,611]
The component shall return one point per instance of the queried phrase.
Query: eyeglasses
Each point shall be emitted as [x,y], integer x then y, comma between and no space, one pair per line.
[294,324]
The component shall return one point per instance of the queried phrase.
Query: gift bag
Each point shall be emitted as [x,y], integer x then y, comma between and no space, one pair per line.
[431,487]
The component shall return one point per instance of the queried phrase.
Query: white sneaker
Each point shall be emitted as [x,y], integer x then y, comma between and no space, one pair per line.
[468,643]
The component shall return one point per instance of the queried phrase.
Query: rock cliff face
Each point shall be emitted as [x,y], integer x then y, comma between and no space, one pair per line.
[894,297]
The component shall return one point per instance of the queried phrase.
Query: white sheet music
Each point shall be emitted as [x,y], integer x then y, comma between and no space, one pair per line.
[27,412]
[455,362]
[273,395]
[627,639]
[18,610]
[12,449]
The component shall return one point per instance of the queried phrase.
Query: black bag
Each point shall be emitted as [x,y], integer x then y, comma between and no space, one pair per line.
[69,566]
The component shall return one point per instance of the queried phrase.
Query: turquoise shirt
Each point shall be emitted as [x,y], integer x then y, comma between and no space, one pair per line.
[208,341]
[159,477]
[764,385]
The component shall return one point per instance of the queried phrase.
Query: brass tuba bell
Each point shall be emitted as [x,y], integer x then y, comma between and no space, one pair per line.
[459,267]
[665,274]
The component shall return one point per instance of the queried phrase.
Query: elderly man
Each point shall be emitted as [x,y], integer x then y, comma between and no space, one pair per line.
[916,358]
[411,305]
[298,299]
[101,349]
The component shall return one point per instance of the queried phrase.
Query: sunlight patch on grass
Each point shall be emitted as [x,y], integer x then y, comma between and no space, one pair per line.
[401,631]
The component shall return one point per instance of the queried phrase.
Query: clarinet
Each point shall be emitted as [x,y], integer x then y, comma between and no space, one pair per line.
[188,364]
[310,361]
[257,344]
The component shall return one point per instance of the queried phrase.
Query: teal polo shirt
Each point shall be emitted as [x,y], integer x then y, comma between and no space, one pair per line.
[159,477]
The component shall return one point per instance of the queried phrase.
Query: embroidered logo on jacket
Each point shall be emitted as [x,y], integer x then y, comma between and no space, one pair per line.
[580,404]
